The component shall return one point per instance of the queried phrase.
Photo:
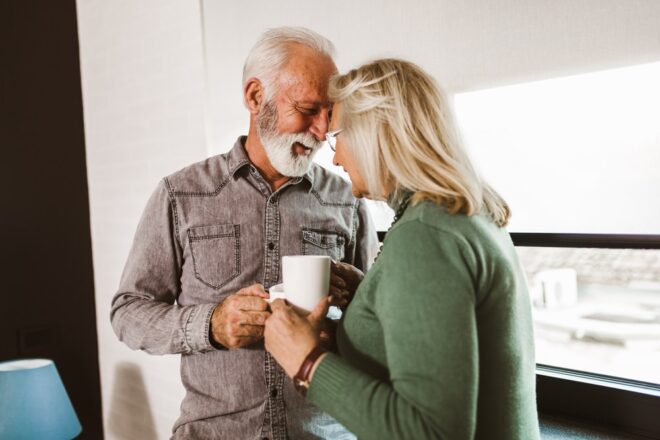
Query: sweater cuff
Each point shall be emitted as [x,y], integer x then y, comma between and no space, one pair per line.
[196,331]
[328,381]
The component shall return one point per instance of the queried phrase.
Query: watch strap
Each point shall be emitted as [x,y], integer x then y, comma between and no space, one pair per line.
[301,379]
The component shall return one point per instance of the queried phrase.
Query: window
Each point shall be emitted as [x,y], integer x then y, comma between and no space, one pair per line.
[575,158]
[576,154]
[595,303]
[596,310]
[585,148]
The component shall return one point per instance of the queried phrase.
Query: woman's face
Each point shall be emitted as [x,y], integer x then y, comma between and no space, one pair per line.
[344,158]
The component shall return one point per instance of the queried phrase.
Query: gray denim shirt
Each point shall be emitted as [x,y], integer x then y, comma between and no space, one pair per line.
[208,231]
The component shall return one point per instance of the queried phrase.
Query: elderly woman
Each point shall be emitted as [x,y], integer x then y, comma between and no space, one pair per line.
[437,342]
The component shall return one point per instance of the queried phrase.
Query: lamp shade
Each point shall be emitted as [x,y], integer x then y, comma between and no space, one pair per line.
[34,403]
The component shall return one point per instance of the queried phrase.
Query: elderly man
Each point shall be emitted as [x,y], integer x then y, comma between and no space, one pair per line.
[213,234]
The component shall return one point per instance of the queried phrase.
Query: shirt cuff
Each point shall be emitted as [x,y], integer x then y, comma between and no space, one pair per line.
[196,331]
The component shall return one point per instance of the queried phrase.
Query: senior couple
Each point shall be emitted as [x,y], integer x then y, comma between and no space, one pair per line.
[436,336]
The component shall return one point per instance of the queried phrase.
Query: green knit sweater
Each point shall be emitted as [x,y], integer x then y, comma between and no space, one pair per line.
[438,340]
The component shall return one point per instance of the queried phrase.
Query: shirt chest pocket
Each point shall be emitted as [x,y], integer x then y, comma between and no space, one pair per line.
[216,253]
[315,242]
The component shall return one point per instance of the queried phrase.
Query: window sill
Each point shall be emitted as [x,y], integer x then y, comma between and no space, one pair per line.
[607,404]
[559,428]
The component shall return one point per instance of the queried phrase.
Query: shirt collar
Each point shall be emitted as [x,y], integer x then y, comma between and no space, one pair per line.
[309,176]
[238,158]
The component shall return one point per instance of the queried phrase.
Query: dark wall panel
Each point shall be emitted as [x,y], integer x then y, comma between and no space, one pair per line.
[46,290]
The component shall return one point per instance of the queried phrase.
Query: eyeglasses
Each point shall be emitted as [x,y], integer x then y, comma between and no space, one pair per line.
[331,138]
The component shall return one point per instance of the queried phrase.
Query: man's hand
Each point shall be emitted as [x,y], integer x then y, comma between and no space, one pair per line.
[344,281]
[239,320]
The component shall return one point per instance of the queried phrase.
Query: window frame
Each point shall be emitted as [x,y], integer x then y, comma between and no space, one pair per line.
[618,404]
[621,404]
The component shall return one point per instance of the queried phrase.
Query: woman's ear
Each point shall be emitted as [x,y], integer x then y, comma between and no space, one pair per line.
[253,93]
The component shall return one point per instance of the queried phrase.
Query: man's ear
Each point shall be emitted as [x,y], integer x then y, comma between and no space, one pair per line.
[253,94]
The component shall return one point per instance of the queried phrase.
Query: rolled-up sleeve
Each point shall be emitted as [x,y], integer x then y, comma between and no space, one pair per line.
[144,313]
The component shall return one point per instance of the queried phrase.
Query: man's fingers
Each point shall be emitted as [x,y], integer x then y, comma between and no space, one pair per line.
[249,337]
[254,318]
[237,335]
[253,290]
[249,331]
[248,324]
[247,303]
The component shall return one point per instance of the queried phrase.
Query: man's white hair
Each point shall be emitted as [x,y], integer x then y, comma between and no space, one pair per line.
[270,54]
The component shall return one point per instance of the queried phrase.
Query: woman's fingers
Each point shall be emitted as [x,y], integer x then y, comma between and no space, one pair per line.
[283,317]
[338,291]
[278,304]
[318,314]
[339,298]
[337,281]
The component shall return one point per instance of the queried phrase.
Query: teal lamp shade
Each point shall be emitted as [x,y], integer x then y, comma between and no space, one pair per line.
[34,403]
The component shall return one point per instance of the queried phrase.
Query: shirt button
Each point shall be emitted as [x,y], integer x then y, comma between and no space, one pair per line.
[273,393]
[271,245]
[273,200]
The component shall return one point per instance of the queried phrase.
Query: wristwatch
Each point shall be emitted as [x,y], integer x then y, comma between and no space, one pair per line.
[301,379]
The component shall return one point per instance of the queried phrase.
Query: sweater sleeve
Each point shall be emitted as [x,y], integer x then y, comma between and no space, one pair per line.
[424,301]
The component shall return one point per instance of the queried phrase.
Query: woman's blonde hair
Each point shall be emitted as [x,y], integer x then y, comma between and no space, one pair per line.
[402,134]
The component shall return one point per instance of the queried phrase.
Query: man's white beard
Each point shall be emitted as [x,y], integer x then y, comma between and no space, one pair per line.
[279,146]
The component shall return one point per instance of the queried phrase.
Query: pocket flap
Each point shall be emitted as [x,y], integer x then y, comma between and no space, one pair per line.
[212,231]
[325,240]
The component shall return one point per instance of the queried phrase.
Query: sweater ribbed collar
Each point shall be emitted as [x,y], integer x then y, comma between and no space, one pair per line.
[399,200]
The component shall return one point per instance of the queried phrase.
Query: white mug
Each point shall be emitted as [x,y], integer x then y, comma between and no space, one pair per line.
[306,281]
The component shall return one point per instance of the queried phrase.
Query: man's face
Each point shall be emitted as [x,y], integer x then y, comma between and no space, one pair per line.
[292,125]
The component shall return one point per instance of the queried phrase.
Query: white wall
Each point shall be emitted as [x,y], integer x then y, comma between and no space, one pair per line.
[143,85]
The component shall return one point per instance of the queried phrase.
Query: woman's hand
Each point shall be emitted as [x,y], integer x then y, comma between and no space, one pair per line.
[344,281]
[290,337]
